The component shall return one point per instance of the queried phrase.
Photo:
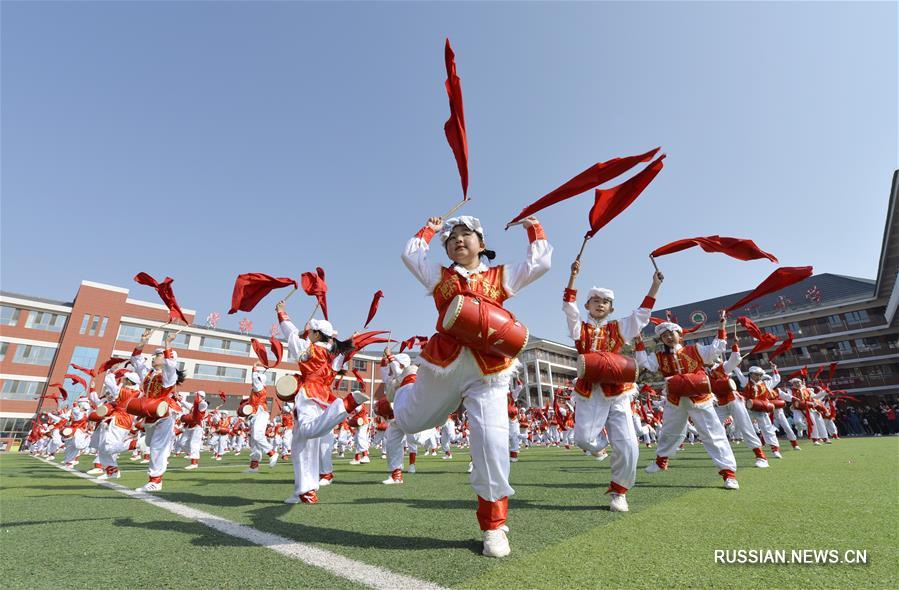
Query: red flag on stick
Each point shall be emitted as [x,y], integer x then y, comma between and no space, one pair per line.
[359,379]
[750,327]
[831,372]
[411,342]
[314,284]
[734,247]
[223,397]
[611,202]
[818,372]
[784,346]
[373,308]
[164,289]
[90,372]
[777,280]
[76,379]
[765,342]
[277,350]
[250,288]
[590,178]
[454,128]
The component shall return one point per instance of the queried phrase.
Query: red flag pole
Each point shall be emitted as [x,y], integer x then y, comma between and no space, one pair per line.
[653,260]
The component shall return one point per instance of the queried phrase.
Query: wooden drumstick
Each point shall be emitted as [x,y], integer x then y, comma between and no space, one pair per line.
[455,208]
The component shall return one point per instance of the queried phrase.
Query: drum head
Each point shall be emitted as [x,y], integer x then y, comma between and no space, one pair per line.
[162,409]
[102,410]
[246,410]
[287,387]
[68,431]
[452,312]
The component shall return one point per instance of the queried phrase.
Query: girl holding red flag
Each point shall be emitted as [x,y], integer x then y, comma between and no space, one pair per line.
[674,359]
[317,410]
[451,372]
[605,405]
[159,381]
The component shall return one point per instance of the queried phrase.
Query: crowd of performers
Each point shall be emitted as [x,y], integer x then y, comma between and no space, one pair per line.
[462,391]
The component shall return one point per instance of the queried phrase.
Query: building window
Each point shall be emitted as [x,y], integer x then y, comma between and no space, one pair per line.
[84,322]
[130,333]
[803,352]
[44,320]
[220,345]
[9,316]
[779,330]
[844,347]
[3,347]
[103,327]
[95,322]
[834,321]
[857,317]
[27,354]
[181,340]
[21,390]
[360,365]
[214,373]
[794,327]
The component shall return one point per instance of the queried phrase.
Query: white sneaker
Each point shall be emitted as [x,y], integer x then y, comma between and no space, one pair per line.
[250,470]
[777,455]
[470,467]
[390,481]
[365,459]
[96,471]
[731,484]
[324,482]
[618,503]
[102,477]
[797,448]
[69,467]
[411,469]
[383,456]
[292,500]
[150,487]
[191,467]
[653,468]
[817,443]
[513,459]
[144,461]
[354,462]
[761,463]
[600,455]
[496,544]
[273,460]
[105,476]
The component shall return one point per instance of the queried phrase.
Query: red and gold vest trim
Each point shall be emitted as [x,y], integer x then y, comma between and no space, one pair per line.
[442,349]
[685,360]
[605,338]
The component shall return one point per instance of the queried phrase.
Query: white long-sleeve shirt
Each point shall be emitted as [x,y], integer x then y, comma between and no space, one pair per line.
[299,346]
[416,257]
[629,327]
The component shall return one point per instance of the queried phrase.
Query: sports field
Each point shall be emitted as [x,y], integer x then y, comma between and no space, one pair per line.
[62,531]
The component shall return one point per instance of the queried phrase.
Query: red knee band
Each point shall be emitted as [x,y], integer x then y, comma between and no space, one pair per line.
[492,515]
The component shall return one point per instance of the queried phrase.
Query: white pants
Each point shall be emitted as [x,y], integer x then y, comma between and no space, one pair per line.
[820,430]
[259,444]
[613,414]
[707,424]
[514,441]
[780,419]
[75,444]
[800,422]
[160,436]
[194,441]
[312,423]
[427,402]
[325,464]
[447,434]
[831,427]
[222,445]
[55,441]
[362,439]
[767,428]
[394,446]
[115,441]
[742,421]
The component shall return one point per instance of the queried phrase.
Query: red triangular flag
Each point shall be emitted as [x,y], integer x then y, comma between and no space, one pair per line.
[611,202]
[764,343]
[77,379]
[590,178]
[314,284]
[454,128]
[262,353]
[373,308]
[250,288]
[750,327]
[694,328]
[164,289]
[777,280]
[734,247]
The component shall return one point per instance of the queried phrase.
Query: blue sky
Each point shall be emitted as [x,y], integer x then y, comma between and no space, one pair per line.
[204,140]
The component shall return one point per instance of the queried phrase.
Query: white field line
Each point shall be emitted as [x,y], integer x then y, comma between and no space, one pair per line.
[356,571]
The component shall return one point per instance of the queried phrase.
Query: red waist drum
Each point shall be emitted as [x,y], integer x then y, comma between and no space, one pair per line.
[145,407]
[759,405]
[288,386]
[688,385]
[606,367]
[464,317]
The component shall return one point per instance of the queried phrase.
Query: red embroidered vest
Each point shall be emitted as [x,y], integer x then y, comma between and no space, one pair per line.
[724,396]
[259,399]
[318,375]
[606,338]
[685,360]
[442,349]
[153,389]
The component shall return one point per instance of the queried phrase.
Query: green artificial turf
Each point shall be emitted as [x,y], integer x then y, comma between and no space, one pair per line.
[841,496]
